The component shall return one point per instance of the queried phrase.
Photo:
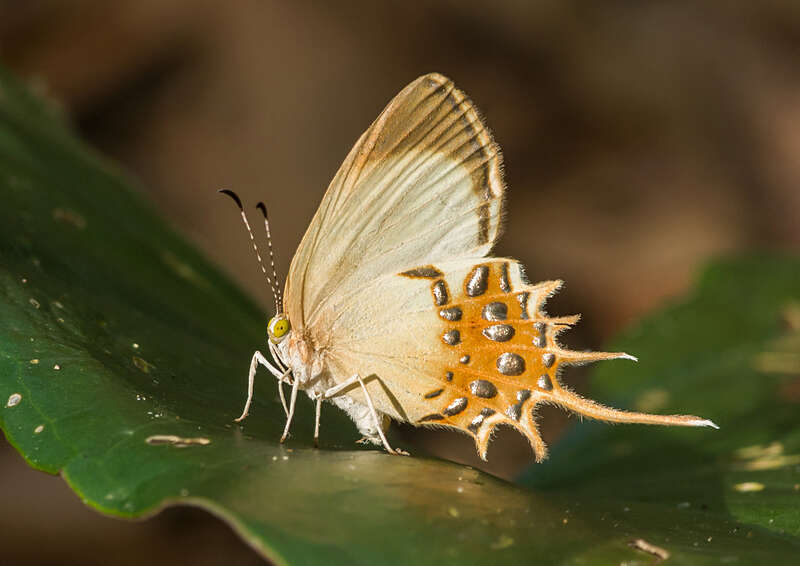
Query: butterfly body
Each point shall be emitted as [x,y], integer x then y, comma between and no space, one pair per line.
[310,370]
[393,308]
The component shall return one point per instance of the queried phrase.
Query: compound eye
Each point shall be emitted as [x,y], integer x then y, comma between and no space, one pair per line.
[278,327]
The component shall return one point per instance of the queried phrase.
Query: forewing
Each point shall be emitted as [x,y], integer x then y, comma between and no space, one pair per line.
[422,185]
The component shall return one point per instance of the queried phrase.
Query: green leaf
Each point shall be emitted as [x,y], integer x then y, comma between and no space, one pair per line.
[114,331]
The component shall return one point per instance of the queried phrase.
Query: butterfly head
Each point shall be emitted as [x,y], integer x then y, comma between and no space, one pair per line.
[278,328]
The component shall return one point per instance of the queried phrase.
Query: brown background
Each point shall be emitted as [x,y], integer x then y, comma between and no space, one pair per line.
[640,139]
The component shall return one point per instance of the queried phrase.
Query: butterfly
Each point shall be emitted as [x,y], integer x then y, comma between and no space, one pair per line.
[394,308]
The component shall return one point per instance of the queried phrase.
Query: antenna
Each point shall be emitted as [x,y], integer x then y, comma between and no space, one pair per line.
[279,297]
[271,283]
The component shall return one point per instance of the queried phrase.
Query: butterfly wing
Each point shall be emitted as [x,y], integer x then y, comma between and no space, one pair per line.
[422,184]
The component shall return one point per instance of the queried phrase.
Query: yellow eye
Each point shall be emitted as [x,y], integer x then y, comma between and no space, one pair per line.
[277,328]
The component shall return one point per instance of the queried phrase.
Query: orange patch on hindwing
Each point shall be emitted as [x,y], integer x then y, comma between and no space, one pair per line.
[503,350]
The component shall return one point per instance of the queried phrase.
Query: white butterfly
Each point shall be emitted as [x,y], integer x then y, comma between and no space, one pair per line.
[393,309]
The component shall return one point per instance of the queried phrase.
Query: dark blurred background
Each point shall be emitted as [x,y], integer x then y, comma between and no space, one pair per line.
[640,139]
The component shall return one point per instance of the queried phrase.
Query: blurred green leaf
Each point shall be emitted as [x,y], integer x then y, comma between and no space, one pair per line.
[113,331]
[730,352]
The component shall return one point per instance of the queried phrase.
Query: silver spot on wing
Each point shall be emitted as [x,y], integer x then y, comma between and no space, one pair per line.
[440,295]
[541,340]
[478,281]
[515,410]
[433,394]
[509,363]
[455,407]
[452,337]
[424,272]
[483,388]
[495,311]
[499,332]
[505,286]
[523,304]
[452,314]
[478,420]
[544,382]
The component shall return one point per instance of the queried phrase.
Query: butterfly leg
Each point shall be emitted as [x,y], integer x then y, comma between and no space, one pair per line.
[333,391]
[316,421]
[258,358]
[292,403]
[275,356]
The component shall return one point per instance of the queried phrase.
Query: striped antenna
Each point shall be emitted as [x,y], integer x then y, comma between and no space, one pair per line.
[279,297]
[271,283]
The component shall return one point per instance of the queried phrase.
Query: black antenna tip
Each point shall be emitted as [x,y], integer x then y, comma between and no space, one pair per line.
[234,196]
[260,206]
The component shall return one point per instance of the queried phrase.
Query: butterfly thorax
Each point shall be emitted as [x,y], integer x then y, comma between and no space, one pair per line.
[310,370]
[306,362]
